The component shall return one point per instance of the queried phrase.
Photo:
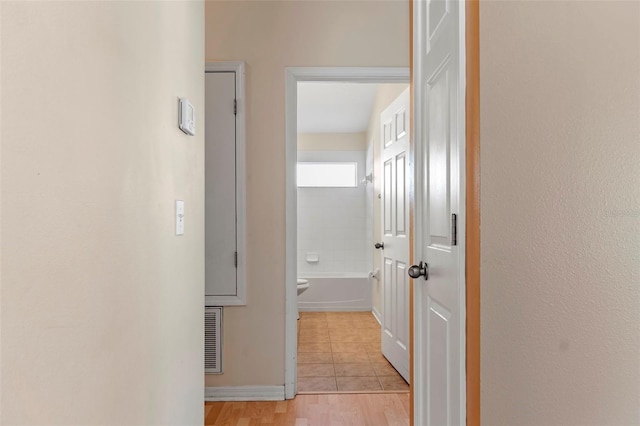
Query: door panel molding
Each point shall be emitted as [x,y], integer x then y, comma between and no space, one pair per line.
[395,211]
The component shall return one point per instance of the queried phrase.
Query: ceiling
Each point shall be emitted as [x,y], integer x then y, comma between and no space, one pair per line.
[335,107]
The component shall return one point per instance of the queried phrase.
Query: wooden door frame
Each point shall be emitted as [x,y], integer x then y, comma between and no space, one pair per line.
[472,260]
[472,206]
[294,75]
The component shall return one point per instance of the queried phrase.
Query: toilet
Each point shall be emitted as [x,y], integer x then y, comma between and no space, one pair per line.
[303,285]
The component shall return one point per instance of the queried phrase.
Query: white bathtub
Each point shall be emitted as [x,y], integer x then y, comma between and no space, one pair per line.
[336,293]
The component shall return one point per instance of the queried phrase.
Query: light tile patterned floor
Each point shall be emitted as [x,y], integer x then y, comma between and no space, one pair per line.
[340,352]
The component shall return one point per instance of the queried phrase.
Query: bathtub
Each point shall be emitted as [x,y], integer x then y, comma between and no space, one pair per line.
[336,292]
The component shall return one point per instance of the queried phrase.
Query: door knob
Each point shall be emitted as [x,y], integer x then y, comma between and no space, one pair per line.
[415,271]
[380,246]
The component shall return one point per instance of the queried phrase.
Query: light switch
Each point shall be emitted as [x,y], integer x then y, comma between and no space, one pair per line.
[179,217]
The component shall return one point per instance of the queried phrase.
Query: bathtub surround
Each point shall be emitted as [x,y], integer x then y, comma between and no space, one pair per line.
[332,234]
[340,352]
[336,293]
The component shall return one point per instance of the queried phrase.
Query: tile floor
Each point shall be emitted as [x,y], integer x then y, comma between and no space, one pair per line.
[340,352]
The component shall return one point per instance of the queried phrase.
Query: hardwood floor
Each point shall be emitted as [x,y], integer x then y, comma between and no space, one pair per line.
[310,410]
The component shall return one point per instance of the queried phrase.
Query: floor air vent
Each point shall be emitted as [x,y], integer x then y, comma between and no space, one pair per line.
[212,339]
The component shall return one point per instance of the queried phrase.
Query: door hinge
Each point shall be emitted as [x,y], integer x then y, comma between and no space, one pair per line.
[235,107]
[454,229]
[235,259]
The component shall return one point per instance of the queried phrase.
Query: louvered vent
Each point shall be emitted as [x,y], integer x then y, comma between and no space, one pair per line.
[212,339]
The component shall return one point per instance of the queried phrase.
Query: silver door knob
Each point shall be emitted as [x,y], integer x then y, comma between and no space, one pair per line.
[379,246]
[421,269]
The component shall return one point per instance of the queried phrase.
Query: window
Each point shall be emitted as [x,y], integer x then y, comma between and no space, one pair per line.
[327,175]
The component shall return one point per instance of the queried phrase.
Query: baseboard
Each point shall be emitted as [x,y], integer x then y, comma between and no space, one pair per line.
[244,393]
[378,316]
[333,309]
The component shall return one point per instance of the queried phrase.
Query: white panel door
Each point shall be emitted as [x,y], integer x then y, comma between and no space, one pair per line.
[439,381]
[394,123]
[220,184]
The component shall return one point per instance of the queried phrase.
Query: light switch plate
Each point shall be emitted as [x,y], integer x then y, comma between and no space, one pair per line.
[179,217]
[187,117]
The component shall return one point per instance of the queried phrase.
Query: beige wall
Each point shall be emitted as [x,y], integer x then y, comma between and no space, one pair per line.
[270,36]
[560,158]
[385,94]
[101,302]
[331,141]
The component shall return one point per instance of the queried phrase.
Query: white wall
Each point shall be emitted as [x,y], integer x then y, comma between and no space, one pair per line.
[332,221]
[101,302]
[269,36]
[560,191]
[331,141]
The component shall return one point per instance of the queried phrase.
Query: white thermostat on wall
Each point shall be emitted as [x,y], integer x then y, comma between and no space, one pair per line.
[187,117]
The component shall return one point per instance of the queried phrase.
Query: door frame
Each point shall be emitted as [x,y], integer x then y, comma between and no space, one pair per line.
[472,202]
[472,195]
[294,75]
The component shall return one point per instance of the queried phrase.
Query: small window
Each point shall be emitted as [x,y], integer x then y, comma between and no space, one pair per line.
[327,175]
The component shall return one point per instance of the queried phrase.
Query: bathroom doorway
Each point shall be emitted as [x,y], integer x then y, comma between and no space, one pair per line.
[333,221]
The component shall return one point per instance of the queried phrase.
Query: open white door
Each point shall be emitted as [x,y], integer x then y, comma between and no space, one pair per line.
[394,127]
[439,379]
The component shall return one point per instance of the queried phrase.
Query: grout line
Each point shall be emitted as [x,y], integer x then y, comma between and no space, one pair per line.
[333,364]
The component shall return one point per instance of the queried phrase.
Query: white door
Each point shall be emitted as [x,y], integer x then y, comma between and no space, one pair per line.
[220,185]
[439,380]
[394,123]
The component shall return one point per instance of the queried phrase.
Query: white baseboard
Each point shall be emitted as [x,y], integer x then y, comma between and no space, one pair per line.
[333,309]
[244,393]
[378,316]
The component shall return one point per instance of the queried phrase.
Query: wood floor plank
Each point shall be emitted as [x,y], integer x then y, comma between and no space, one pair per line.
[212,413]
[314,410]
[281,407]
